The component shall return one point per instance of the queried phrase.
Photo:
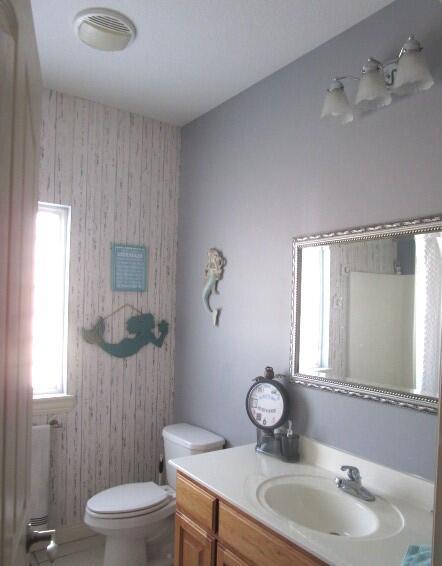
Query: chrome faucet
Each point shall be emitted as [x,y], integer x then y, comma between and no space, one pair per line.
[352,484]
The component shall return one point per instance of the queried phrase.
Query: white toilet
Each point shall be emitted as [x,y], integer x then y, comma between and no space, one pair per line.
[137,518]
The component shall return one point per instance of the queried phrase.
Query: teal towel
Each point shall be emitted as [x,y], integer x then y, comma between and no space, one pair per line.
[418,554]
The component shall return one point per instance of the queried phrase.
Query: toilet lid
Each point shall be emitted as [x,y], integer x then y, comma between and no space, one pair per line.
[128,498]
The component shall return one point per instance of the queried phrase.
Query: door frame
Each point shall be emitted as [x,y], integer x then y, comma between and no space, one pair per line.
[437,519]
[20,115]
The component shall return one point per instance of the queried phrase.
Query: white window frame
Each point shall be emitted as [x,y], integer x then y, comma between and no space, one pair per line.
[58,400]
[318,320]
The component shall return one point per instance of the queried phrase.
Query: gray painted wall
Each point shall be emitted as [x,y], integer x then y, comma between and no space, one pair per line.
[263,167]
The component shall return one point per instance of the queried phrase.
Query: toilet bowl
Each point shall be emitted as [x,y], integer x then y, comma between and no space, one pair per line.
[131,517]
[137,518]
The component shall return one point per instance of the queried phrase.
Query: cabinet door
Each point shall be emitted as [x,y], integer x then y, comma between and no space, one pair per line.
[258,544]
[225,557]
[193,545]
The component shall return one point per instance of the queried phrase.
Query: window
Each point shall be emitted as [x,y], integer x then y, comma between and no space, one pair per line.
[51,289]
[315,312]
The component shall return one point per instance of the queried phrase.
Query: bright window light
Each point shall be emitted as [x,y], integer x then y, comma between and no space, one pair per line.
[315,311]
[51,287]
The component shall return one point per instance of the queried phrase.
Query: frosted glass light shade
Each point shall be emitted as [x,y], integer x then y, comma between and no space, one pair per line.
[336,106]
[413,74]
[372,92]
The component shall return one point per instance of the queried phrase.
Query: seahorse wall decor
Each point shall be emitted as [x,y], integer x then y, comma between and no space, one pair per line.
[142,326]
[214,272]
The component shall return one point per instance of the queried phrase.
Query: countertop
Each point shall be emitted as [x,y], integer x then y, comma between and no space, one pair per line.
[234,475]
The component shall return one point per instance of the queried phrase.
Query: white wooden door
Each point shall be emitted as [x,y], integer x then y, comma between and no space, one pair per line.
[19,132]
[380,321]
[437,522]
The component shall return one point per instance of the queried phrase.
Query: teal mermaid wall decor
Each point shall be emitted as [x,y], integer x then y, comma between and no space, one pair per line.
[141,326]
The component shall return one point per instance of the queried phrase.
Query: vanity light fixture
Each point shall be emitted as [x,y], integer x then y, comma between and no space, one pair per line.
[406,74]
[336,104]
[413,74]
[372,90]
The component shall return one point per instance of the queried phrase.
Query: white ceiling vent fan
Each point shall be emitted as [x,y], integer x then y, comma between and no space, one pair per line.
[104,29]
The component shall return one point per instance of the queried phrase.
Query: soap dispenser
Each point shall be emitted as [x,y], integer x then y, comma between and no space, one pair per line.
[290,444]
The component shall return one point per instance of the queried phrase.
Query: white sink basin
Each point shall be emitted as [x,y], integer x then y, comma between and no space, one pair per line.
[316,503]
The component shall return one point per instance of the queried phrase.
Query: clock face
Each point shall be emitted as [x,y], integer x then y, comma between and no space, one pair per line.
[266,404]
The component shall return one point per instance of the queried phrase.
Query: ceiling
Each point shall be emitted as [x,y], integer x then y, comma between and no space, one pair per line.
[189,55]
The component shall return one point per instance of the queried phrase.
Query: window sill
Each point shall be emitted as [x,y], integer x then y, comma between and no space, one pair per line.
[54,404]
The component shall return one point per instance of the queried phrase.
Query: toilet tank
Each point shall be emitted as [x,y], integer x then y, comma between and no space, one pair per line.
[186,440]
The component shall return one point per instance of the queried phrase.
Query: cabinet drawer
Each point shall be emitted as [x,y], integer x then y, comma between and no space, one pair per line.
[257,544]
[197,503]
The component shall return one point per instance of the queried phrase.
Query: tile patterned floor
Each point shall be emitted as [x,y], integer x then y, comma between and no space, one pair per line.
[85,552]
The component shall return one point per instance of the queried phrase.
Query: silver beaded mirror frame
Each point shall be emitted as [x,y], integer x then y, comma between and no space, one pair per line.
[327,378]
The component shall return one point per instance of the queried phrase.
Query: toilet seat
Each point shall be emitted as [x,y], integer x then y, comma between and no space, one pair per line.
[129,500]
[139,513]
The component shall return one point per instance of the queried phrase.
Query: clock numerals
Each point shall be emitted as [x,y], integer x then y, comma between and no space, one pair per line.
[266,405]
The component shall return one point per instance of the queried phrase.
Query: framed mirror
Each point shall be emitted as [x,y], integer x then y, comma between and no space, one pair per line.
[367,312]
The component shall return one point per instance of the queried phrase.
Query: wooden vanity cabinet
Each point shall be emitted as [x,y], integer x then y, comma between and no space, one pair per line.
[211,532]
[225,557]
[193,545]
[197,503]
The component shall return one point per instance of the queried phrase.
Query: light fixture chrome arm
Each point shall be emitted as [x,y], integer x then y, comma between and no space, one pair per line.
[347,77]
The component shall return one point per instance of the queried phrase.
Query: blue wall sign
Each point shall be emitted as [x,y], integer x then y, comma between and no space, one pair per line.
[129,268]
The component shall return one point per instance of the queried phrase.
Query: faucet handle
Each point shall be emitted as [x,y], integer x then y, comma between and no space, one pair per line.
[352,472]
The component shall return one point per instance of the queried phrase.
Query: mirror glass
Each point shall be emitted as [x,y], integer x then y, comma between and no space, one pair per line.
[370,312]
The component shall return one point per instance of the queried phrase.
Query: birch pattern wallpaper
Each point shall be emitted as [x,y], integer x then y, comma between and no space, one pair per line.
[119,172]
